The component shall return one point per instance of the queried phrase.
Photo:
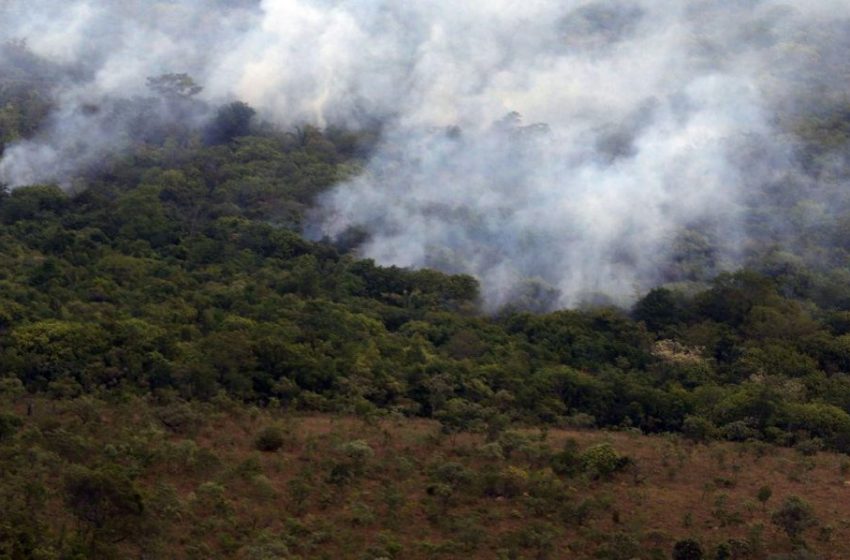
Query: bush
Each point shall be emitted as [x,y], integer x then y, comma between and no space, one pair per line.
[764,494]
[545,493]
[567,461]
[453,474]
[697,428]
[688,549]
[602,461]
[358,453]
[580,420]
[9,424]
[809,447]
[512,441]
[104,500]
[179,418]
[270,439]
[619,546]
[794,517]
[739,431]
[733,549]
[509,482]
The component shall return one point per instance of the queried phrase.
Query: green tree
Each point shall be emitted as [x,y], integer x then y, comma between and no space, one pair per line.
[688,549]
[231,121]
[794,517]
[270,438]
[106,503]
[763,495]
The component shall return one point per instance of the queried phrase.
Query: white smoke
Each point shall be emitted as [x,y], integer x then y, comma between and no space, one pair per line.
[634,115]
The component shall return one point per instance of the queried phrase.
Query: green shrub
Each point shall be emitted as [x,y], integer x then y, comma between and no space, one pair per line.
[733,549]
[794,517]
[104,501]
[453,474]
[180,418]
[358,453]
[602,461]
[619,546]
[688,549]
[270,439]
[809,447]
[511,441]
[9,424]
[567,461]
[509,482]
[697,428]
[739,431]
[764,494]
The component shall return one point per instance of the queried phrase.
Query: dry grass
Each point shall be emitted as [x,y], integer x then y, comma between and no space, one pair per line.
[676,489]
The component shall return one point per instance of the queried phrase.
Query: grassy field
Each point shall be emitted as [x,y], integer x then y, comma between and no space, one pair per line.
[345,487]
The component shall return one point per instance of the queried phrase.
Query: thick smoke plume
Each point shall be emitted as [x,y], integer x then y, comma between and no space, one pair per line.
[556,149]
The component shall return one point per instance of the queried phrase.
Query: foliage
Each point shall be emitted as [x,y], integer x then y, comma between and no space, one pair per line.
[105,502]
[179,270]
[688,549]
[794,517]
[177,274]
[602,461]
[270,438]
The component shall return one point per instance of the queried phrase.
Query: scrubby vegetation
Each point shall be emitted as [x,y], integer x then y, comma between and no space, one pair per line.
[88,478]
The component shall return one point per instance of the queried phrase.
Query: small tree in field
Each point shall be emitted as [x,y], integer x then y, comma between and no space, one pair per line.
[106,504]
[270,438]
[794,517]
[688,549]
[764,495]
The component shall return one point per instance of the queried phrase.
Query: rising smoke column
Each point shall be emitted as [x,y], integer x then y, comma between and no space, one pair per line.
[559,143]
[645,105]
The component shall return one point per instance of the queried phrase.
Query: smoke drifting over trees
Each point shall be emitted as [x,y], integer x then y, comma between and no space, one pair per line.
[557,150]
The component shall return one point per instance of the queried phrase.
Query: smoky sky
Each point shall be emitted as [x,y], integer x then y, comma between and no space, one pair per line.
[562,144]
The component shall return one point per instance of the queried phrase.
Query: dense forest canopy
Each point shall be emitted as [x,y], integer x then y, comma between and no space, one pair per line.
[178,265]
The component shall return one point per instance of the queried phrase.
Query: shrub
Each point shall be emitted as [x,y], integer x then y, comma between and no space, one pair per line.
[809,447]
[688,549]
[9,424]
[602,461]
[764,495]
[453,474]
[697,428]
[539,536]
[733,549]
[619,546]
[546,492]
[179,418]
[794,517]
[567,461]
[739,431]
[511,441]
[491,451]
[104,501]
[269,439]
[580,420]
[509,482]
[358,453]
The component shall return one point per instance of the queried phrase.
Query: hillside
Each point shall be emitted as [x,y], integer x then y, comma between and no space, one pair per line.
[197,360]
[141,479]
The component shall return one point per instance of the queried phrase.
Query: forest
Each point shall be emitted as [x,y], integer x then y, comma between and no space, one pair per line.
[185,374]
